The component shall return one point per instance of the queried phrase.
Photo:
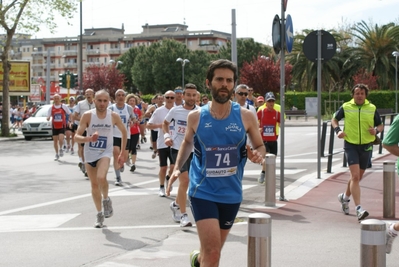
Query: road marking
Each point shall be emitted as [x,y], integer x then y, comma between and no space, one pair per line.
[286,171]
[33,222]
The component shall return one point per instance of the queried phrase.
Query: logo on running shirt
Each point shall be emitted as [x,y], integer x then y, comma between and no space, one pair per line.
[233,127]
[208,124]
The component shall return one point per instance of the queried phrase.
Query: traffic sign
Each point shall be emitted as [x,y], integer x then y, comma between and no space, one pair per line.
[289,34]
[328,46]
[276,34]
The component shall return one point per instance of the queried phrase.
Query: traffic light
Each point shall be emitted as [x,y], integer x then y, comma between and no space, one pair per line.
[75,80]
[62,80]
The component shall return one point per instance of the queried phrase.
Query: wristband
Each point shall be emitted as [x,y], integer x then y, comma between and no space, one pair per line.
[337,129]
[166,135]
[376,131]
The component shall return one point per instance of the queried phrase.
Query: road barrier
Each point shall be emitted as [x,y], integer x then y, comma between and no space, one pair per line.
[259,240]
[372,245]
[270,180]
[389,189]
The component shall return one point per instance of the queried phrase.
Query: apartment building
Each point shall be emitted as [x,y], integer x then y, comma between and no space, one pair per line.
[100,45]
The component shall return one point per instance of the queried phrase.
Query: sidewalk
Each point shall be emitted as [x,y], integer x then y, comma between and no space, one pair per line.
[307,230]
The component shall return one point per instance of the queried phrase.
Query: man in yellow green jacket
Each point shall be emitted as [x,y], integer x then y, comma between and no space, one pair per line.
[362,123]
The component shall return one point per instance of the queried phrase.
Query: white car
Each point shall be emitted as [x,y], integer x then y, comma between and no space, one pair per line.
[37,125]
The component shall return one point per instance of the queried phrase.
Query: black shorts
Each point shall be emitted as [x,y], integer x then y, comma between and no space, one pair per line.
[205,209]
[74,126]
[70,129]
[154,136]
[93,164]
[118,142]
[58,131]
[271,147]
[186,165]
[164,154]
[358,154]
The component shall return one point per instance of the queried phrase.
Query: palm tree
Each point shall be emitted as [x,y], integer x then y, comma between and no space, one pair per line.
[374,47]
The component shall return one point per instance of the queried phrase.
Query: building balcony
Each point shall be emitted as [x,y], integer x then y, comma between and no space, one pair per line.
[71,52]
[37,54]
[37,65]
[52,54]
[88,64]
[114,51]
[92,51]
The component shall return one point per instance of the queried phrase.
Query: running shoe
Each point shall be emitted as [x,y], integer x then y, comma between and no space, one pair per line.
[194,258]
[154,155]
[68,148]
[138,147]
[108,211]
[176,215]
[161,192]
[184,221]
[361,214]
[142,140]
[99,220]
[56,157]
[261,179]
[118,181]
[61,152]
[83,168]
[80,164]
[145,139]
[344,204]
[72,152]
[390,237]
[133,168]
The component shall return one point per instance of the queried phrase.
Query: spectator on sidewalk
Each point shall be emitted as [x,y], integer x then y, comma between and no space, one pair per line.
[218,133]
[362,123]
[390,143]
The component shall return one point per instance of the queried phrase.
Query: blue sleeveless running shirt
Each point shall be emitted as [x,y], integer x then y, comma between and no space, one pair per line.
[219,158]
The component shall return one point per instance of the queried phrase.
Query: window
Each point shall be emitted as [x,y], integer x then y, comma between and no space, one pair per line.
[105,47]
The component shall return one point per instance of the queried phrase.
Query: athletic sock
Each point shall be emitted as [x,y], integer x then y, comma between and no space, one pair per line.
[118,173]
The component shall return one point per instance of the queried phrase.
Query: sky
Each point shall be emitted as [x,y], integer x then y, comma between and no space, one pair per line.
[253,17]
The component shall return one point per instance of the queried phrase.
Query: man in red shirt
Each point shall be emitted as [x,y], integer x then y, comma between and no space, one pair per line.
[58,114]
[268,119]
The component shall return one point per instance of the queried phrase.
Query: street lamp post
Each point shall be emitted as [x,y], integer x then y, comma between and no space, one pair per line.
[396,55]
[117,63]
[183,62]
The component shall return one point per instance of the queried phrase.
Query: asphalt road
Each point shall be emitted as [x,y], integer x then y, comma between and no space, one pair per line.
[47,214]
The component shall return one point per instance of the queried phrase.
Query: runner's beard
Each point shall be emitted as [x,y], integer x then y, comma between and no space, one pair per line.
[220,99]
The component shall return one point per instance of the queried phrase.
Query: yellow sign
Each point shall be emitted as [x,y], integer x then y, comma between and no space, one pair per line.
[19,77]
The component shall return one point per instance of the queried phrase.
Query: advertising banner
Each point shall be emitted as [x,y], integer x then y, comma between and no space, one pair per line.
[19,77]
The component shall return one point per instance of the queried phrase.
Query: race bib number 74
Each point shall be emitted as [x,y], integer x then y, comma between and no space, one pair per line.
[221,161]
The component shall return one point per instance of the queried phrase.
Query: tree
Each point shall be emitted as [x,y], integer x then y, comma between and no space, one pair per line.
[103,77]
[128,59]
[375,45]
[366,78]
[263,75]
[26,15]
[247,50]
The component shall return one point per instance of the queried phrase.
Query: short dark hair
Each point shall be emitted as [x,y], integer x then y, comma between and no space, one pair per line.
[221,64]
[360,86]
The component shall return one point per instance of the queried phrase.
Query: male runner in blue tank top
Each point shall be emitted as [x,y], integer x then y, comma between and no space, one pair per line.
[217,132]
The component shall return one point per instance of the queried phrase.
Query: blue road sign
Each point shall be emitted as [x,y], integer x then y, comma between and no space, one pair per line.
[289,33]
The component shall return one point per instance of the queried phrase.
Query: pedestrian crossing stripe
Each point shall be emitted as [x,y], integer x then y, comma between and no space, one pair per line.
[30,222]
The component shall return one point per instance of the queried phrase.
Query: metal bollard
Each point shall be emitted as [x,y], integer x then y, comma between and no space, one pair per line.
[389,189]
[270,180]
[372,245]
[259,240]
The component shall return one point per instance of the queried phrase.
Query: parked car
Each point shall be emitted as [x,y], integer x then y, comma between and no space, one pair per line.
[37,125]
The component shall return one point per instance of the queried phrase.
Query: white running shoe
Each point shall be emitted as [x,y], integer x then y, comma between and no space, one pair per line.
[176,211]
[108,210]
[162,192]
[361,214]
[344,204]
[390,237]
[56,157]
[61,153]
[184,221]
[99,220]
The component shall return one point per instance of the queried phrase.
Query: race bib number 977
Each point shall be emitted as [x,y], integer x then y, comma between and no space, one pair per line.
[100,144]
[221,161]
